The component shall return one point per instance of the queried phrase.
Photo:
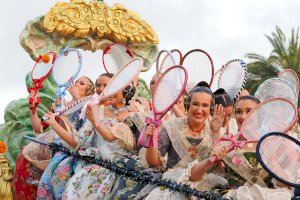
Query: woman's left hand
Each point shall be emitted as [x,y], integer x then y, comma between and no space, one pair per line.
[218,118]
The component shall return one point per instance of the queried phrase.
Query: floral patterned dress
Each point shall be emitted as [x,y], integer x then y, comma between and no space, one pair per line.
[33,159]
[93,181]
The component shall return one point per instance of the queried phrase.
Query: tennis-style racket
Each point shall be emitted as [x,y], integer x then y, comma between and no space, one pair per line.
[279,155]
[168,59]
[41,70]
[164,60]
[199,66]
[271,115]
[65,69]
[120,80]
[292,77]
[167,91]
[115,56]
[233,77]
[214,85]
[276,87]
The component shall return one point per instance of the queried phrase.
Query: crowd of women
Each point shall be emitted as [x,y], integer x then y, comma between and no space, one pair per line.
[188,137]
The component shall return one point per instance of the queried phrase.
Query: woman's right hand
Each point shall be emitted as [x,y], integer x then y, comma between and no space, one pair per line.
[74,91]
[149,130]
[50,119]
[219,151]
[56,103]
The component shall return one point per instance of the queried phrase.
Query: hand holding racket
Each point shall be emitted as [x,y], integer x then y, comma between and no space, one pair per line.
[272,115]
[115,56]
[66,68]
[41,70]
[167,91]
[279,155]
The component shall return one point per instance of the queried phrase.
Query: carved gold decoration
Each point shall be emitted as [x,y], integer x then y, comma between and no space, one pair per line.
[81,18]
[5,179]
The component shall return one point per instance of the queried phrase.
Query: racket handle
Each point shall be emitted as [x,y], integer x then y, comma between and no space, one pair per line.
[44,118]
[213,159]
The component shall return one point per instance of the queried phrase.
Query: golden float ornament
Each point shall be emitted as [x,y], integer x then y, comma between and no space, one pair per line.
[5,175]
[81,18]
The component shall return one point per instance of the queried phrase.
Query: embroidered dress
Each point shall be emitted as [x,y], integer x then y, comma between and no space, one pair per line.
[184,153]
[93,181]
[248,180]
[61,166]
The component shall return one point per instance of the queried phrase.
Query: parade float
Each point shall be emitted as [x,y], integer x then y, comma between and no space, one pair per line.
[86,25]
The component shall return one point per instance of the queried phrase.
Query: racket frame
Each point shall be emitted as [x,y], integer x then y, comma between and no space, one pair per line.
[243,65]
[158,64]
[260,160]
[281,79]
[38,60]
[294,74]
[106,51]
[159,115]
[72,78]
[209,57]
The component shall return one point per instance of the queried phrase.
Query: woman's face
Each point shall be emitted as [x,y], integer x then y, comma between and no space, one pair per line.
[83,85]
[228,113]
[242,108]
[153,82]
[101,83]
[116,99]
[199,109]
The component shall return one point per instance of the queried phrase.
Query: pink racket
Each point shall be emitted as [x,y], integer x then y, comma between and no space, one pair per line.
[116,56]
[292,77]
[167,91]
[164,60]
[276,87]
[120,80]
[272,115]
[41,70]
[174,57]
[199,66]
[214,85]
[233,77]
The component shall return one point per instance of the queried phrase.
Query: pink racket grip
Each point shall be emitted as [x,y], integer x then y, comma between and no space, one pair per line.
[142,136]
[155,137]
[148,142]
[213,159]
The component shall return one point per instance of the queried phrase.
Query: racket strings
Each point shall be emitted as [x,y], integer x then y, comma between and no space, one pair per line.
[274,115]
[123,76]
[66,66]
[232,78]
[118,56]
[282,160]
[273,88]
[199,67]
[168,89]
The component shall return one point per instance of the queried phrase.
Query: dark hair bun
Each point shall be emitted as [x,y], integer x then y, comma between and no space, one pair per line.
[203,84]
[220,91]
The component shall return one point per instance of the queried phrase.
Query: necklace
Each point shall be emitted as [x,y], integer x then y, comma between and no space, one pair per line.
[116,111]
[195,132]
